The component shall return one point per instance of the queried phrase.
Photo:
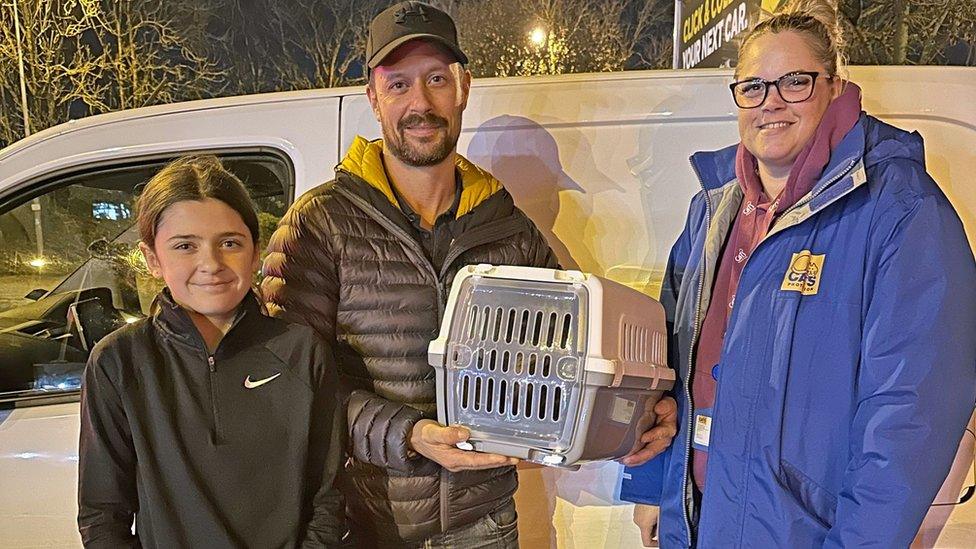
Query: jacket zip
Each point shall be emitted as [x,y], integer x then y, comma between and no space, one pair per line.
[425,263]
[216,439]
[777,228]
[689,416]
[452,255]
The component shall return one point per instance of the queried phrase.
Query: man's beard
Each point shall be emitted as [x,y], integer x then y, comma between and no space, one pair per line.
[437,150]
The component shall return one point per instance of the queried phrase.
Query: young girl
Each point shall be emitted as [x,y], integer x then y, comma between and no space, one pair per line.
[209,423]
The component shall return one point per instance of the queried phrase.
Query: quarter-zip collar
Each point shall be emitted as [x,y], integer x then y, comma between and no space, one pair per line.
[174,322]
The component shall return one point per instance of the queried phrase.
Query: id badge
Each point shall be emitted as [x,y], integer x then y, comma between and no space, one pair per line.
[702,431]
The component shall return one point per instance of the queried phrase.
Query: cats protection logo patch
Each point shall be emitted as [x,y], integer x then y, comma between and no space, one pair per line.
[804,272]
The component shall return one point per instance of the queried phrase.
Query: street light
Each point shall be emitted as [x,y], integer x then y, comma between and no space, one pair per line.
[538,36]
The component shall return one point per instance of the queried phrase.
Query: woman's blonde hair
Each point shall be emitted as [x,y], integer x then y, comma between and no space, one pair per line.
[816,21]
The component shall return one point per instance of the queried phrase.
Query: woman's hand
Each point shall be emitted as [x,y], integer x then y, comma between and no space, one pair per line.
[646,518]
[656,439]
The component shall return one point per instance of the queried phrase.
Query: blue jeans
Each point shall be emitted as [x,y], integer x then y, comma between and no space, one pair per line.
[496,530]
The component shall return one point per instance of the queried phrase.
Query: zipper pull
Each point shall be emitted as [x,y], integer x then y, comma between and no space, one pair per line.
[210,361]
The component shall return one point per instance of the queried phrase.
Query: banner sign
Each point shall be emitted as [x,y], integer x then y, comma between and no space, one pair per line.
[705,30]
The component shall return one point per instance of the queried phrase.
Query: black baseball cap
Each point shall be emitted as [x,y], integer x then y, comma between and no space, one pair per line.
[407,21]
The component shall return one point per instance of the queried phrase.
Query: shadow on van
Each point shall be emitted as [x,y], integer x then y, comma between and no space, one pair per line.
[524,156]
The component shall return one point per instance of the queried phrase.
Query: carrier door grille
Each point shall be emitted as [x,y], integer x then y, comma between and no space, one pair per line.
[515,367]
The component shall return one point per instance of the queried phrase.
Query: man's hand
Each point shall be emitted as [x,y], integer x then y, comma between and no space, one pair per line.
[646,517]
[436,442]
[656,439]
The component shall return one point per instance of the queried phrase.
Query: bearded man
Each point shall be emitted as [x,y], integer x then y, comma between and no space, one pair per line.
[367,260]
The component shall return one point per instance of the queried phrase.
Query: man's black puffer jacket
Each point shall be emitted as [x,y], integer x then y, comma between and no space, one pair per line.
[344,262]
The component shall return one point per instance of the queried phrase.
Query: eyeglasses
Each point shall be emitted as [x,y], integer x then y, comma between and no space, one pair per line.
[795,87]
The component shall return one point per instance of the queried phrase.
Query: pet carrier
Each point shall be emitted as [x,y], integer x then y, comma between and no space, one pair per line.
[555,367]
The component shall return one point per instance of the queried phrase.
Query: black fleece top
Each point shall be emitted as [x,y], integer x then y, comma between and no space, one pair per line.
[235,449]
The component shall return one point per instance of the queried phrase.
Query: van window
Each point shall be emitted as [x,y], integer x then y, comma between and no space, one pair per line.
[71,271]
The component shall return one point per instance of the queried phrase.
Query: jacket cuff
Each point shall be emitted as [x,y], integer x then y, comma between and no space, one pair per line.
[379,431]
[645,483]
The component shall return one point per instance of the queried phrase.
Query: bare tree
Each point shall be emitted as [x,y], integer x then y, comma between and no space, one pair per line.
[330,38]
[58,67]
[152,52]
[908,32]
[298,44]
[90,56]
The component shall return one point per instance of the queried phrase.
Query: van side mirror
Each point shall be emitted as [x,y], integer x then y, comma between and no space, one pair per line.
[35,294]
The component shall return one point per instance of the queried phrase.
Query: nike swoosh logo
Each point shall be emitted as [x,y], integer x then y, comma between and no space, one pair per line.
[249,384]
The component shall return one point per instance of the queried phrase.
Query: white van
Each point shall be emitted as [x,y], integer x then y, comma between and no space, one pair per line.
[599,161]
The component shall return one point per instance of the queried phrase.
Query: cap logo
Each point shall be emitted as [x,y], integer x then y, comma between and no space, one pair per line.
[400,17]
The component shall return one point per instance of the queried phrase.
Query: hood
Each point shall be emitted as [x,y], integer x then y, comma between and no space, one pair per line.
[886,142]
[365,160]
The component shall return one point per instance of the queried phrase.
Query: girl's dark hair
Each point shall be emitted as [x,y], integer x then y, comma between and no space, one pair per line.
[193,178]
[816,21]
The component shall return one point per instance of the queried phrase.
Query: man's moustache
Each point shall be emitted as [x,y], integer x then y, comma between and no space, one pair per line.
[417,120]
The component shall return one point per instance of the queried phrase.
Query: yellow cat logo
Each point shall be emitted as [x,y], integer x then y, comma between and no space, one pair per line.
[804,272]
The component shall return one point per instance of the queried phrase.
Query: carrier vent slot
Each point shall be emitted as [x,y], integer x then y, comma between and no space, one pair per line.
[532,364]
[567,324]
[546,365]
[551,328]
[485,321]
[529,390]
[515,398]
[519,364]
[524,327]
[492,358]
[537,329]
[465,383]
[498,324]
[502,396]
[472,321]
[635,344]
[480,363]
[477,394]
[505,361]
[510,327]
[557,398]
[543,393]
[490,396]
[658,349]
